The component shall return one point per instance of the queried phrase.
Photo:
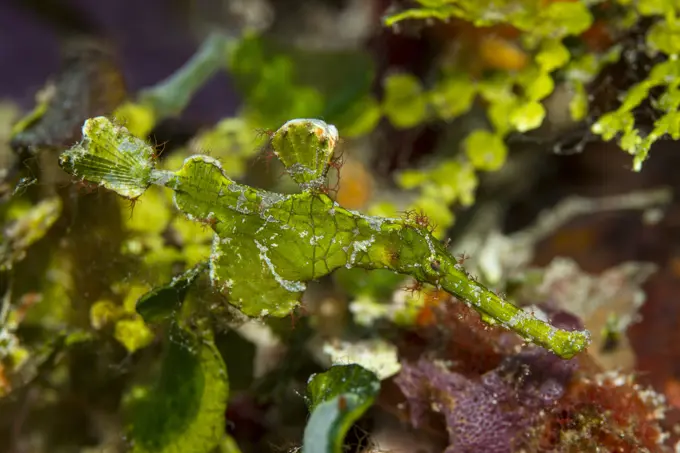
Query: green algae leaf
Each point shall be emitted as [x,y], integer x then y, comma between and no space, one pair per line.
[139,119]
[499,113]
[271,77]
[553,55]
[586,67]
[228,445]
[613,123]
[636,94]
[340,379]
[655,7]
[183,412]
[133,334]
[527,116]
[78,337]
[665,72]
[273,95]
[631,141]
[27,229]
[149,217]
[453,96]
[536,83]
[361,117]
[555,20]
[337,398]
[404,102]
[486,150]
[449,181]
[667,124]
[497,87]
[442,10]
[560,19]
[670,99]
[161,303]
[664,36]
[578,104]
[103,313]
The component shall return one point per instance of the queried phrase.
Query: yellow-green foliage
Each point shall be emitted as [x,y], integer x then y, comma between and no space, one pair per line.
[513,98]
[663,37]
[534,17]
[544,25]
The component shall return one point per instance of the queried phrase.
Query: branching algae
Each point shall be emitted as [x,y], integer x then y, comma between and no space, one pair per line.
[268,245]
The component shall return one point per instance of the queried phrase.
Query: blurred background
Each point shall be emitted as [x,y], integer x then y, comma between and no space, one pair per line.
[600,212]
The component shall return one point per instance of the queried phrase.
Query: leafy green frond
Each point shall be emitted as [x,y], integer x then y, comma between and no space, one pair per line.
[183,412]
[337,398]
